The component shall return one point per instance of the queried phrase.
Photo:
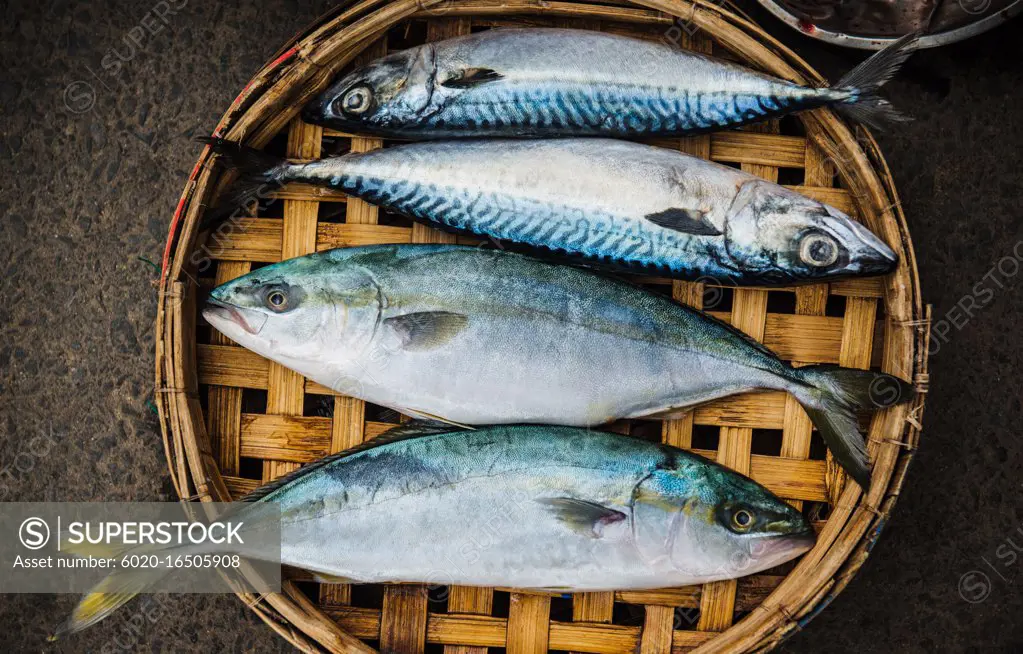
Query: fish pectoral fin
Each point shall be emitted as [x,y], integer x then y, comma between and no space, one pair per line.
[687,221]
[428,329]
[470,77]
[586,518]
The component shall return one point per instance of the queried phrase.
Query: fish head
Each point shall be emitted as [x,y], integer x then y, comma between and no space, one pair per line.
[304,309]
[778,236]
[385,94]
[710,523]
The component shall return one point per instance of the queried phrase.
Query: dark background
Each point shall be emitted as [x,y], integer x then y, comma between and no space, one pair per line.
[92,176]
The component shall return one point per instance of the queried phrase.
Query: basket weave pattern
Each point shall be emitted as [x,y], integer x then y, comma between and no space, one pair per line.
[219,447]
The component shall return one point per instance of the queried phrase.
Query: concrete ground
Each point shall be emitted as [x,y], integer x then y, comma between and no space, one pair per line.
[96,151]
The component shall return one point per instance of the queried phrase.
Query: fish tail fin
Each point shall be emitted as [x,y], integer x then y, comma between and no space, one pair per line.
[113,591]
[861,85]
[831,395]
[259,172]
[254,165]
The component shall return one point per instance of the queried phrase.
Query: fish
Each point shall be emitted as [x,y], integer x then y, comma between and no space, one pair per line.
[543,82]
[529,507]
[605,203]
[471,336]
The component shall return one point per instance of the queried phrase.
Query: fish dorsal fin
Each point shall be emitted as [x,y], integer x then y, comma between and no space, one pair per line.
[687,221]
[426,330]
[470,77]
[410,429]
[407,431]
[581,516]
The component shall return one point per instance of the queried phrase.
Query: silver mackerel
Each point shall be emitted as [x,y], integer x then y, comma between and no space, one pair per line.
[563,82]
[601,202]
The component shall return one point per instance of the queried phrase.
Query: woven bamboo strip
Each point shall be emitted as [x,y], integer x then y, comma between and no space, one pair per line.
[754,148]
[487,631]
[528,624]
[469,600]
[593,607]
[319,628]
[403,619]
[658,623]
[239,486]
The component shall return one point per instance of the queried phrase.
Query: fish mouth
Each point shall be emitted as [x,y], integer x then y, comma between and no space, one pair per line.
[316,111]
[868,254]
[775,550]
[217,313]
[877,259]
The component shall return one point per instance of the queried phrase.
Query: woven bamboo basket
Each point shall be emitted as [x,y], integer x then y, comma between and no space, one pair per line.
[232,420]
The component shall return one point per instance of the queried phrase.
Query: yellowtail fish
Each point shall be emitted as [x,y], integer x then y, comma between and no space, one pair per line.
[532,507]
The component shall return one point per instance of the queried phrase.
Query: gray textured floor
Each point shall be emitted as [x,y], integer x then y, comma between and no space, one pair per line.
[95,160]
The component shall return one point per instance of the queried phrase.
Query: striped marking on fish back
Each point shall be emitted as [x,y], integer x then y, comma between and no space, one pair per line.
[597,235]
[577,108]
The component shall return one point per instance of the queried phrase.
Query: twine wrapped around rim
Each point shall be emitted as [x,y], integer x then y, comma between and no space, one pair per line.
[218,446]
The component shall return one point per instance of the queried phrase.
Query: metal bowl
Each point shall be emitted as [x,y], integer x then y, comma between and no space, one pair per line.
[881,22]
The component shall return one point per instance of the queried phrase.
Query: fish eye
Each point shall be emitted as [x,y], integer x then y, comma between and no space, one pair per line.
[742,520]
[357,101]
[276,300]
[818,250]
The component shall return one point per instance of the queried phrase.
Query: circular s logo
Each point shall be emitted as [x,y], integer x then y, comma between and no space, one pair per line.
[974,586]
[34,533]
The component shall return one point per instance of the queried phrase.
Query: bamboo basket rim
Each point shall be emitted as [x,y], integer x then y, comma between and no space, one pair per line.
[272,99]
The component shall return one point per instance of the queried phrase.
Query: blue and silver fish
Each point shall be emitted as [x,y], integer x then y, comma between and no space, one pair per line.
[531,507]
[475,337]
[563,82]
[604,202]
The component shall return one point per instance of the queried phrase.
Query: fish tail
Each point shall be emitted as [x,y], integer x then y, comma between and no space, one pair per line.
[860,100]
[260,173]
[114,590]
[831,395]
[111,593]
